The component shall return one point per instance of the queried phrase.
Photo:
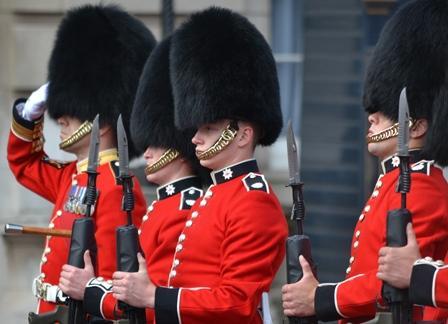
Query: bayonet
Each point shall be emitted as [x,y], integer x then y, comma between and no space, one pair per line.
[123,145]
[397,219]
[94,147]
[293,160]
[127,236]
[83,229]
[404,181]
[125,176]
[298,207]
[403,125]
[298,243]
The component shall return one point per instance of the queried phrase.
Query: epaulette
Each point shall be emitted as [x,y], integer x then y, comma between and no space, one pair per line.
[54,163]
[423,166]
[188,197]
[254,181]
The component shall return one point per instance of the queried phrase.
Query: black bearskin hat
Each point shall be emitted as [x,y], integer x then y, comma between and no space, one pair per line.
[96,63]
[412,52]
[223,68]
[152,118]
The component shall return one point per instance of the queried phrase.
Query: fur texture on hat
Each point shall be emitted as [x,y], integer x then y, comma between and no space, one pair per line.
[412,52]
[152,119]
[95,65]
[223,68]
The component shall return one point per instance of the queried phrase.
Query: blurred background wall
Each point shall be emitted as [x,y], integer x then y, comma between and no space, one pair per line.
[321,48]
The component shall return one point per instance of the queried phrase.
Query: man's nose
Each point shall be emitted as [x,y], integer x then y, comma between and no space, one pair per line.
[196,140]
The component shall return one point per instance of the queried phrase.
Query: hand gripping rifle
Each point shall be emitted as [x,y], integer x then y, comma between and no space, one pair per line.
[297,244]
[83,230]
[397,219]
[127,236]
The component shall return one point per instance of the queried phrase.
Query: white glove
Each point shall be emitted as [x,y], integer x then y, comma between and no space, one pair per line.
[35,105]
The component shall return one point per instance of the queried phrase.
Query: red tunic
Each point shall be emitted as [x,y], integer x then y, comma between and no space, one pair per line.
[228,253]
[429,283]
[159,231]
[355,299]
[64,184]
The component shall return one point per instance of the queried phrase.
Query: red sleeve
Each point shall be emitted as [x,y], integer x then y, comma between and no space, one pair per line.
[251,253]
[441,288]
[356,297]
[28,162]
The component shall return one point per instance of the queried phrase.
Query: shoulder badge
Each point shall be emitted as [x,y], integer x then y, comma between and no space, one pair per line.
[254,181]
[55,163]
[188,197]
[423,166]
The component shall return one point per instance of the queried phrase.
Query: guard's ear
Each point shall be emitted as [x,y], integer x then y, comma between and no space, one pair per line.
[245,134]
[418,129]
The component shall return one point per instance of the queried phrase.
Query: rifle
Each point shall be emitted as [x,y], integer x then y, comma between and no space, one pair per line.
[83,230]
[127,236]
[397,219]
[299,243]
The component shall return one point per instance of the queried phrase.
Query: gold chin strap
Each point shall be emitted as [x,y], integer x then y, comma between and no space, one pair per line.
[167,157]
[227,136]
[385,134]
[79,134]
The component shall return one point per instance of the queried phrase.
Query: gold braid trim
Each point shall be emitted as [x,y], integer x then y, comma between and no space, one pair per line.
[225,139]
[387,133]
[79,134]
[167,157]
